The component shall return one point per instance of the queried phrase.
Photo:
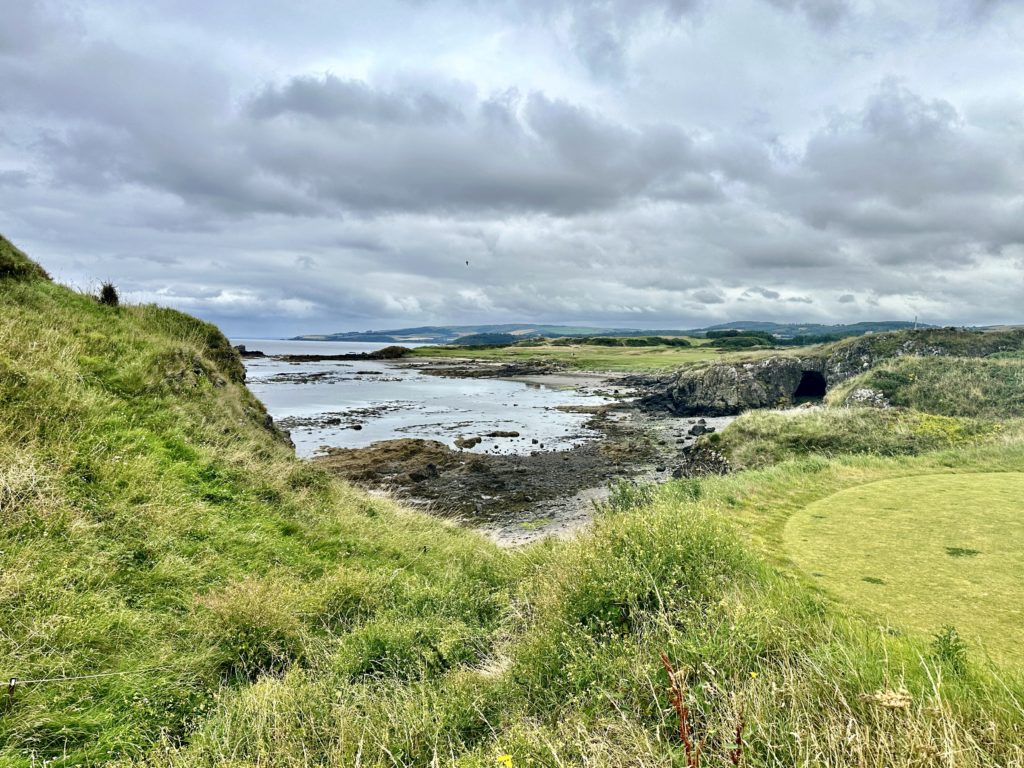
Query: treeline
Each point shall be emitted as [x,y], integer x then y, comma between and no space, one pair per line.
[486,340]
[621,341]
[507,340]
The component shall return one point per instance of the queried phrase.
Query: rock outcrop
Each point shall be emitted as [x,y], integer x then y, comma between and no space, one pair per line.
[724,389]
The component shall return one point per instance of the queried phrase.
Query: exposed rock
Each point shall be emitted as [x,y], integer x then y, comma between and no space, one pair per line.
[485,486]
[277,431]
[728,388]
[389,459]
[243,352]
[487,369]
[388,353]
[467,442]
[502,433]
[701,461]
[868,396]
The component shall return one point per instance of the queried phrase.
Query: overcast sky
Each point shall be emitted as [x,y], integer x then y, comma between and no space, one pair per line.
[321,165]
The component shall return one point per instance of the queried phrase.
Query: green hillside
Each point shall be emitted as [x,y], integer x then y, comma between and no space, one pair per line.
[177,589]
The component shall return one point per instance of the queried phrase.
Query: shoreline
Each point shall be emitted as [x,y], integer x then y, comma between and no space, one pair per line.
[515,499]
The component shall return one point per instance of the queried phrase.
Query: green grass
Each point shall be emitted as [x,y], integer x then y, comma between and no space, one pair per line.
[924,552]
[762,438]
[150,521]
[15,265]
[971,387]
[264,613]
[591,357]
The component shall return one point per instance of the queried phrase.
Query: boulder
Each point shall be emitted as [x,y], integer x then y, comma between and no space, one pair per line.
[868,396]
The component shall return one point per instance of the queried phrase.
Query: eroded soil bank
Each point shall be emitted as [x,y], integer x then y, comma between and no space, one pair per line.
[520,496]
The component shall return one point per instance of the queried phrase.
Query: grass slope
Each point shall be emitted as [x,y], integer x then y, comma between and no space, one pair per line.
[924,552]
[266,614]
[15,265]
[762,438]
[972,387]
[151,524]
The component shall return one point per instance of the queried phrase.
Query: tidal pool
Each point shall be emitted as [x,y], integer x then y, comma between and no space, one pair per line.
[351,404]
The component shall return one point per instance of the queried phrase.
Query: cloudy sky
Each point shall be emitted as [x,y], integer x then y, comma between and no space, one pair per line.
[324,165]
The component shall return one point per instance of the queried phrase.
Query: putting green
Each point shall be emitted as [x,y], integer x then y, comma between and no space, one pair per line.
[924,551]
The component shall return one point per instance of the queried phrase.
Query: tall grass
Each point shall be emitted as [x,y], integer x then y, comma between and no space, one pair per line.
[762,438]
[966,387]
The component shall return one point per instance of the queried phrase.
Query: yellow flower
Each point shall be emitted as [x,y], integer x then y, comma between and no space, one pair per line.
[505,761]
[753,675]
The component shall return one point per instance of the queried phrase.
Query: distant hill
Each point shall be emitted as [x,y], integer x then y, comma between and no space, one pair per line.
[788,330]
[450,334]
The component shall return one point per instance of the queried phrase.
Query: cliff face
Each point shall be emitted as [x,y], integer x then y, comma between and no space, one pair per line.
[729,388]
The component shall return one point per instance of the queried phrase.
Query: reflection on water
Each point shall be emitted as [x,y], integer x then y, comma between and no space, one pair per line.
[351,404]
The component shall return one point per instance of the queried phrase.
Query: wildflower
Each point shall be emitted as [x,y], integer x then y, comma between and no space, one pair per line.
[505,761]
[753,675]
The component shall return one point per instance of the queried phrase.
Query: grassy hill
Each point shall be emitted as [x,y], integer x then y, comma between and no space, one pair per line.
[177,589]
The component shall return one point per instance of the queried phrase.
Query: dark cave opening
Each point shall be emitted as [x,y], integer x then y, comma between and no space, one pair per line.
[811,387]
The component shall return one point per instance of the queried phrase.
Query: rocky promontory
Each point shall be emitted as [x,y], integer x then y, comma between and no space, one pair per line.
[781,380]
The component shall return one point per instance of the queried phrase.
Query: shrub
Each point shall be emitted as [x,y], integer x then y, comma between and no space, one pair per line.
[108,295]
[626,495]
[408,649]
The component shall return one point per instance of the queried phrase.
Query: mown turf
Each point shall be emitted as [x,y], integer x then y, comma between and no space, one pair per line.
[923,552]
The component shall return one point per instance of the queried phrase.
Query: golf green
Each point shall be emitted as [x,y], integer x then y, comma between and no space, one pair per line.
[922,552]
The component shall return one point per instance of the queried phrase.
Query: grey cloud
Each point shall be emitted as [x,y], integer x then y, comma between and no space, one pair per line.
[601,31]
[822,13]
[296,202]
[709,297]
[903,149]
[331,97]
[763,292]
[312,145]
[508,153]
[27,25]
[16,179]
[910,174]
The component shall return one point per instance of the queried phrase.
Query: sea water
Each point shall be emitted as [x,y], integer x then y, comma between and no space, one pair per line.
[354,403]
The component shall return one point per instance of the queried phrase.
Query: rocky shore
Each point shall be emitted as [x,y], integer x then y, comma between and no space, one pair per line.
[506,481]
[517,498]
